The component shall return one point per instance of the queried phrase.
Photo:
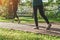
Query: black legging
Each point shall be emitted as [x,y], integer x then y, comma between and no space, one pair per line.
[42,13]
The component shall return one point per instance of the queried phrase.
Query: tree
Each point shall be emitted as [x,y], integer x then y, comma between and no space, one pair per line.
[12,8]
[0,2]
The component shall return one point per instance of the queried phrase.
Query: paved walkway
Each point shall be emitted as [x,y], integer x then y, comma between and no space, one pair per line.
[55,29]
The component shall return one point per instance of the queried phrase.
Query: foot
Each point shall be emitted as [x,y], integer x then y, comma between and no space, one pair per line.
[49,26]
[36,28]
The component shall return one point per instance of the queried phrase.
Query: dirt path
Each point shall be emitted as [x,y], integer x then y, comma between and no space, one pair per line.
[55,29]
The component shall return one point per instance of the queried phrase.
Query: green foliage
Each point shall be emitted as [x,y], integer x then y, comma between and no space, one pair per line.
[48,7]
[58,1]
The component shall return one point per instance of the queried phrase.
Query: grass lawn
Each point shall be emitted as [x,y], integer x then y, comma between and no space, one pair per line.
[6,34]
[29,20]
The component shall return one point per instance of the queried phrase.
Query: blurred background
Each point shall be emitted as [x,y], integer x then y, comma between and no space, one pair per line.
[51,7]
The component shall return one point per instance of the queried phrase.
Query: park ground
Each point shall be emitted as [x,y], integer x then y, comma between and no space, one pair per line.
[13,34]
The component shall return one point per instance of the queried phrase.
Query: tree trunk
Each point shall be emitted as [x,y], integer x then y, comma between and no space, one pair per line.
[10,9]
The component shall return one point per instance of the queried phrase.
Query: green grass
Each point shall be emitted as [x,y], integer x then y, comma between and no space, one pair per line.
[2,19]
[29,20]
[6,34]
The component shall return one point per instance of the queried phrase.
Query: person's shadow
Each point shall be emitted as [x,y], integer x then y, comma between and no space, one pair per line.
[51,31]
